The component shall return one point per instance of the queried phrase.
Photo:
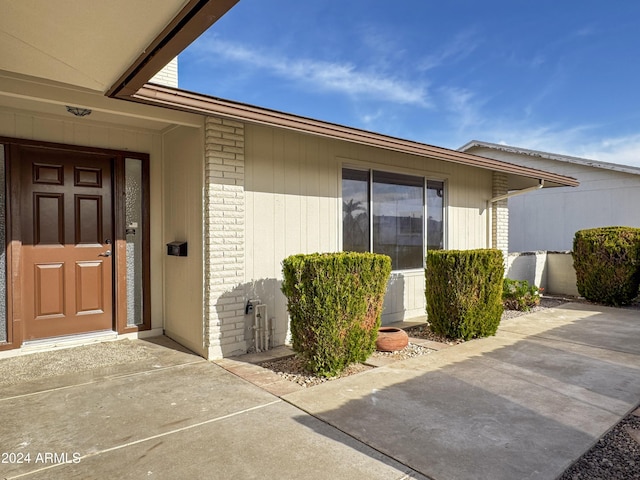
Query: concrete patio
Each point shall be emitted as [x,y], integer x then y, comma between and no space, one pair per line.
[523,404]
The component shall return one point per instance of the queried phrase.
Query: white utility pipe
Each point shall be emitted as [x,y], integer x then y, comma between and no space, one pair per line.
[517,192]
[261,328]
[256,329]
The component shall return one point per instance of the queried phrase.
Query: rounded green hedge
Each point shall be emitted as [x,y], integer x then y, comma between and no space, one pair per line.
[607,264]
[335,302]
[464,292]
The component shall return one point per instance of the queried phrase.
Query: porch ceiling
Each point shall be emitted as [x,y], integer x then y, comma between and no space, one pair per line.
[87,44]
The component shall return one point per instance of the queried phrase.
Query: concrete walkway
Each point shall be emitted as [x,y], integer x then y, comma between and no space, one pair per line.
[524,404]
[172,416]
[521,405]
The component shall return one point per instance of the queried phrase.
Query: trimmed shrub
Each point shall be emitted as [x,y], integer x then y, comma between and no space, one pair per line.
[607,264]
[519,295]
[335,302]
[464,292]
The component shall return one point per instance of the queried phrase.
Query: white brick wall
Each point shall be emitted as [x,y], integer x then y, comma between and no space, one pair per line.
[224,238]
[500,215]
[168,76]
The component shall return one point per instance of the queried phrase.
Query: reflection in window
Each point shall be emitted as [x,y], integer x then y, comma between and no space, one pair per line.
[391,220]
[398,214]
[435,218]
[355,210]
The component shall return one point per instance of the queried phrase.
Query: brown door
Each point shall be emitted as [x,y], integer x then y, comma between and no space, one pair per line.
[67,233]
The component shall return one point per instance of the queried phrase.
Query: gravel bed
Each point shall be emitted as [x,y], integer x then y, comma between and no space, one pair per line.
[292,368]
[616,456]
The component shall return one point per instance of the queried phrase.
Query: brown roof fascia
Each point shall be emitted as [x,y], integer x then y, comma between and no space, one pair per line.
[196,17]
[207,105]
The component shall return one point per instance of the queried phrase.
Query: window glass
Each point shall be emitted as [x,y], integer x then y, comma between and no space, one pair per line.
[134,235]
[397,204]
[435,215]
[355,210]
[398,219]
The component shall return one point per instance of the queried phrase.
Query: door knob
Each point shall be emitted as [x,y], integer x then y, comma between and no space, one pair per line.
[105,254]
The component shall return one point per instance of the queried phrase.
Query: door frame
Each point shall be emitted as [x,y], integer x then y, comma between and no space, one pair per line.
[14,277]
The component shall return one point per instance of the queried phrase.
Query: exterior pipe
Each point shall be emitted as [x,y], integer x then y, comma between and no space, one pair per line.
[517,192]
[256,330]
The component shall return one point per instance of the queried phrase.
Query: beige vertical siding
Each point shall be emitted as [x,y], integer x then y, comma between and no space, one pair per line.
[291,207]
[85,132]
[293,199]
[183,169]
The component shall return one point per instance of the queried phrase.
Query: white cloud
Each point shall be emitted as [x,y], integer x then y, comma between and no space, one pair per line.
[338,77]
[624,150]
[461,46]
[371,118]
[463,107]
[577,141]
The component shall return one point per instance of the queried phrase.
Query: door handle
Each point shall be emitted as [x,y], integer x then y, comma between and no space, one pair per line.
[105,254]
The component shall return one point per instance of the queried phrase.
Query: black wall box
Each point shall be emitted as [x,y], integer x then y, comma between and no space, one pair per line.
[178,249]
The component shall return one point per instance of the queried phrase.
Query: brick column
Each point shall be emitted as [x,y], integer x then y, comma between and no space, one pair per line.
[500,216]
[224,233]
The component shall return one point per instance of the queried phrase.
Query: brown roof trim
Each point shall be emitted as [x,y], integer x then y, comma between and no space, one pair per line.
[207,105]
[196,17]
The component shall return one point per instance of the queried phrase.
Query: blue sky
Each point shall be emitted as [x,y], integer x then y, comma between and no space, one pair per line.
[561,76]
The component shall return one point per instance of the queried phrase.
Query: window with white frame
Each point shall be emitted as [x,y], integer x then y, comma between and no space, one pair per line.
[384,213]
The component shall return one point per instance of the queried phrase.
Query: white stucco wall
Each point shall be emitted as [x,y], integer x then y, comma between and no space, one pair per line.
[552,271]
[548,219]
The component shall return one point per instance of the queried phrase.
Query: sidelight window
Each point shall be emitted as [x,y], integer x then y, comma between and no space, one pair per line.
[134,235]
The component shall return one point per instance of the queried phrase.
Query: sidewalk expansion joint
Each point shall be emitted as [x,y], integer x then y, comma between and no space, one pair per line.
[152,437]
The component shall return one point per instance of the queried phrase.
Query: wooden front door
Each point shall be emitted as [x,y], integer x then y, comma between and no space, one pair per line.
[67,241]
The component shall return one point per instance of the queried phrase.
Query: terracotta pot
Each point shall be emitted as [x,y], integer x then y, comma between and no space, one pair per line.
[391,339]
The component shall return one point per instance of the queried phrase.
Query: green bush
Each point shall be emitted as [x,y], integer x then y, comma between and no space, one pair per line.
[607,264]
[464,292]
[335,302]
[519,295]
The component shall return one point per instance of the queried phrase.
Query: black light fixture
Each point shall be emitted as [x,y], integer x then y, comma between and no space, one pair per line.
[78,111]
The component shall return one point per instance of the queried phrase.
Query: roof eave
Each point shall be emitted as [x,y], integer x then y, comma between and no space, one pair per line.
[617,167]
[207,105]
[193,20]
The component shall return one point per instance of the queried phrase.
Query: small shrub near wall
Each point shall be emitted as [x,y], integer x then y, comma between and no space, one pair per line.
[519,295]
[607,264]
[335,302]
[464,292]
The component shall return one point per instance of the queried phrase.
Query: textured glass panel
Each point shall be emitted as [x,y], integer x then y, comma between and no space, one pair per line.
[398,219]
[435,215]
[3,252]
[133,206]
[355,210]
